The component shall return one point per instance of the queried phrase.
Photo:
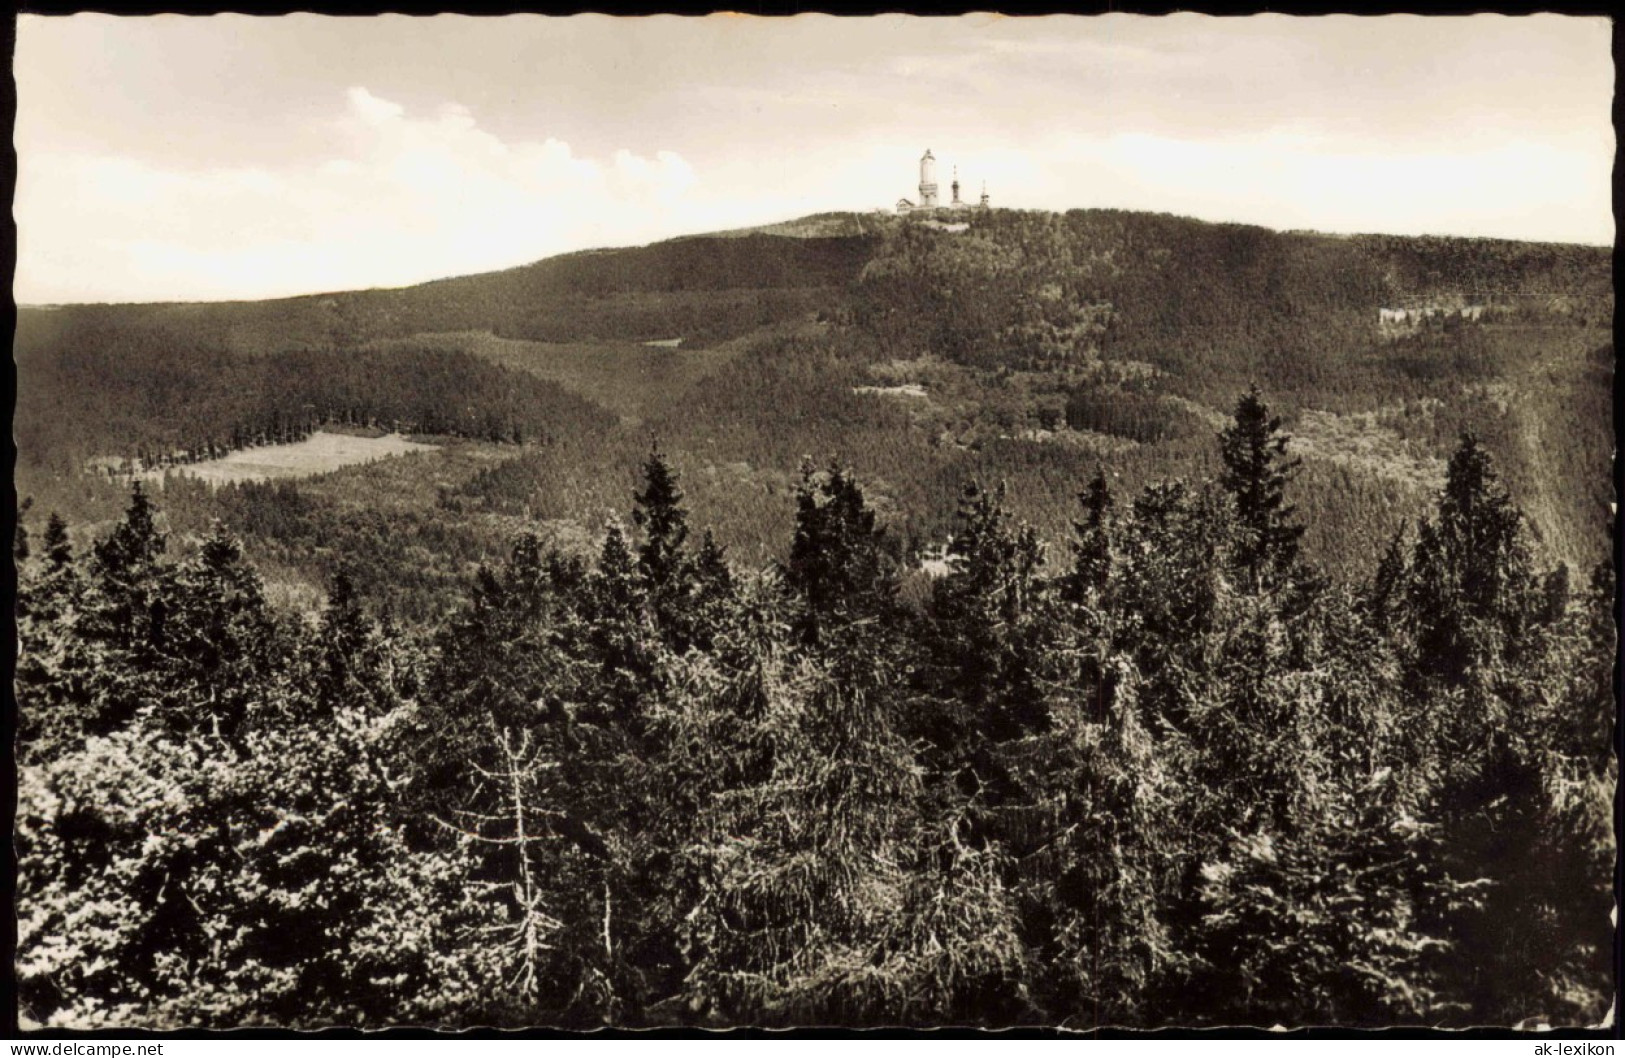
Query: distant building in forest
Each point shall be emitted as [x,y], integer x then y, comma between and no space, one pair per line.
[928,192]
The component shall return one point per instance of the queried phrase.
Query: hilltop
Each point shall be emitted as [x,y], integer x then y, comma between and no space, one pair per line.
[1030,348]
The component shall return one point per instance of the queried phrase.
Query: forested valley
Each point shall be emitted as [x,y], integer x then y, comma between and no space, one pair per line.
[1080,620]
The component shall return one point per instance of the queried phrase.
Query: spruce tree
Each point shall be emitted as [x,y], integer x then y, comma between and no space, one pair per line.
[135,545]
[711,567]
[58,551]
[1098,837]
[220,646]
[715,592]
[1386,590]
[44,595]
[52,660]
[982,617]
[121,623]
[665,562]
[353,661]
[800,855]
[1516,811]
[664,521]
[617,592]
[1471,587]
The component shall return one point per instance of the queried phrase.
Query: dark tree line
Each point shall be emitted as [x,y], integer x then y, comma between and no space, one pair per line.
[1172,776]
[136,393]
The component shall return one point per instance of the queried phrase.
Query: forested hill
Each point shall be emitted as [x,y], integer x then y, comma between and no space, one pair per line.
[1031,348]
[1182,264]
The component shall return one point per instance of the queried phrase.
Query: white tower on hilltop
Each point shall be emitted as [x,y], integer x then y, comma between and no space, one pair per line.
[928,181]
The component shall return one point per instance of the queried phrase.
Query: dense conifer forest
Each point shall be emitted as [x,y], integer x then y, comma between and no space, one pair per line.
[1169,774]
[1069,683]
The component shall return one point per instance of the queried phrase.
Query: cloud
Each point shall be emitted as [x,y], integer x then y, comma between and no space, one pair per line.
[392,194]
[400,198]
[372,109]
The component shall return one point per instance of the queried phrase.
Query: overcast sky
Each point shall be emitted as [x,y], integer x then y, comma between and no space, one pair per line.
[177,158]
